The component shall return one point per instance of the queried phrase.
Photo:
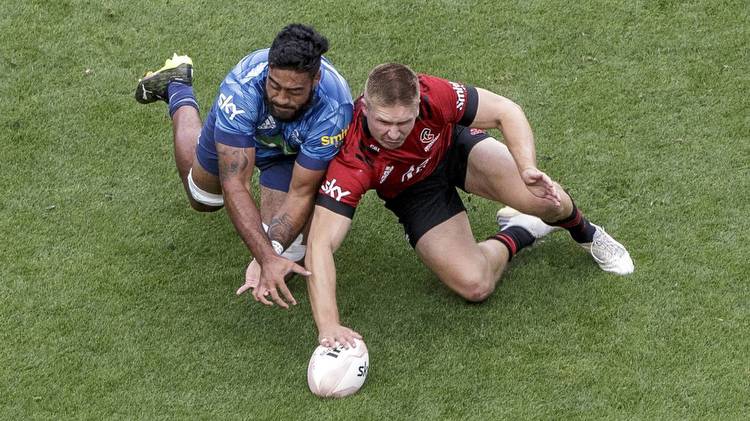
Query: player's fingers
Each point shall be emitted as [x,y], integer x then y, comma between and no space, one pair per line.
[555,201]
[261,295]
[287,294]
[344,341]
[300,270]
[277,299]
[243,288]
[350,341]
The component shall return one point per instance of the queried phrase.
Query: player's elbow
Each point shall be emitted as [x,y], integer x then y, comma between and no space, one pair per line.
[509,111]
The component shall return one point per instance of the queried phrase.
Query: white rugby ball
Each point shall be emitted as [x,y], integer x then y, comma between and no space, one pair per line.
[338,372]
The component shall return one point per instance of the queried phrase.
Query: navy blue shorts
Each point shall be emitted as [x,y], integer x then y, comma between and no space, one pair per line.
[275,173]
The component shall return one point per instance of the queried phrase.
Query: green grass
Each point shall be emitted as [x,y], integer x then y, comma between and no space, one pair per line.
[117,301]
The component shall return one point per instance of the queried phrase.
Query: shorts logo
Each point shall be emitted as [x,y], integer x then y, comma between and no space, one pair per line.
[330,188]
[334,140]
[427,137]
[408,175]
[225,104]
[460,95]
[386,172]
[475,132]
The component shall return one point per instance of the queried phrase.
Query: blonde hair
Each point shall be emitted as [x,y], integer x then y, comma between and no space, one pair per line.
[392,84]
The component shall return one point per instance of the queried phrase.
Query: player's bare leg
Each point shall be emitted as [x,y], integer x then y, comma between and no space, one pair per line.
[173,84]
[492,173]
[470,269]
[186,127]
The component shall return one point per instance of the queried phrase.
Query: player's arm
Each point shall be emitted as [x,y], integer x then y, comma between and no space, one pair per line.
[287,223]
[327,232]
[294,212]
[495,111]
[319,147]
[235,172]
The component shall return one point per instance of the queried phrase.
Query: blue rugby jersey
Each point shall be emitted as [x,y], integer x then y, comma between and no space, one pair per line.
[239,117]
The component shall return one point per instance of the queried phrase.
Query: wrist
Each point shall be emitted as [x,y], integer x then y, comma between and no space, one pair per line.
[267,254]
[526,167]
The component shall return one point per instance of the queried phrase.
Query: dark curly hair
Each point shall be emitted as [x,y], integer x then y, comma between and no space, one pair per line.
[298,47]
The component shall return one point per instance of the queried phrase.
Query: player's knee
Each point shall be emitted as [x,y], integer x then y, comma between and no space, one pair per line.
[200,207]
[479,293]
[202,200]
[475,288]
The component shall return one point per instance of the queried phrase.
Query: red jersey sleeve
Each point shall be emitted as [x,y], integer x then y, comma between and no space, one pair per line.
[343,187]
[453,102]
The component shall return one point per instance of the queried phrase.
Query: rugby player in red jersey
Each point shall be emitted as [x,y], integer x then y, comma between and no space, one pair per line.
[414,139]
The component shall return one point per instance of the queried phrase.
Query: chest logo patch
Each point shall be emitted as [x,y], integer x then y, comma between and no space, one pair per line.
[428,138]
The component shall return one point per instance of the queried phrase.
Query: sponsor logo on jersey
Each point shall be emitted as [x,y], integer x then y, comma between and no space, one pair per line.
[386,172]
[225,104]
[412,171]
[460,95]
[268,124]
[374,147]
[334,140]
[429,138]
[330,188]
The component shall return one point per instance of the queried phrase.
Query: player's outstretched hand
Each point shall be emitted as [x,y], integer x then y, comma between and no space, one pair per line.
[252,277]
[272,283]
[332,336]
[540,185]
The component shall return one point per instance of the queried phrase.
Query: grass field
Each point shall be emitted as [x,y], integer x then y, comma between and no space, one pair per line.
[117,301]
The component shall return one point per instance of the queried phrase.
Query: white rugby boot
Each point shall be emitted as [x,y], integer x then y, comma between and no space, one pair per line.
[509,217]
[610,255]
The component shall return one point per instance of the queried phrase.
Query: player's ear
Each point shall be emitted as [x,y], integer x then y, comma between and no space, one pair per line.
[316,79]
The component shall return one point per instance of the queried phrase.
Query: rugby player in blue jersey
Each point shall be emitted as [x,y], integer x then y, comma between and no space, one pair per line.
[284,110]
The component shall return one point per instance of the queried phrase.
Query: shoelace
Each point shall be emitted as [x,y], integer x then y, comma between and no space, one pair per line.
[606,248]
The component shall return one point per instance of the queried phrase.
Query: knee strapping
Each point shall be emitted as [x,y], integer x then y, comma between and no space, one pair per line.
[202,196]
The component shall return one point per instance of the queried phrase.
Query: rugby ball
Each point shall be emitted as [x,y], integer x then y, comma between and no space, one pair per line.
[338,372]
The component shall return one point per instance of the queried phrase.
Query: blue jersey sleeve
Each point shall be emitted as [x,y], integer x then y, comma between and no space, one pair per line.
[324,139]
[236,113]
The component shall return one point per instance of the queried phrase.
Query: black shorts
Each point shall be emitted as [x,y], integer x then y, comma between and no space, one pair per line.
[434,200]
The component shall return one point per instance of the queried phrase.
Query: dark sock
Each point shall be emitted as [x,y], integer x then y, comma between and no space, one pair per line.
[578,226]
[180,94]
[514,238]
